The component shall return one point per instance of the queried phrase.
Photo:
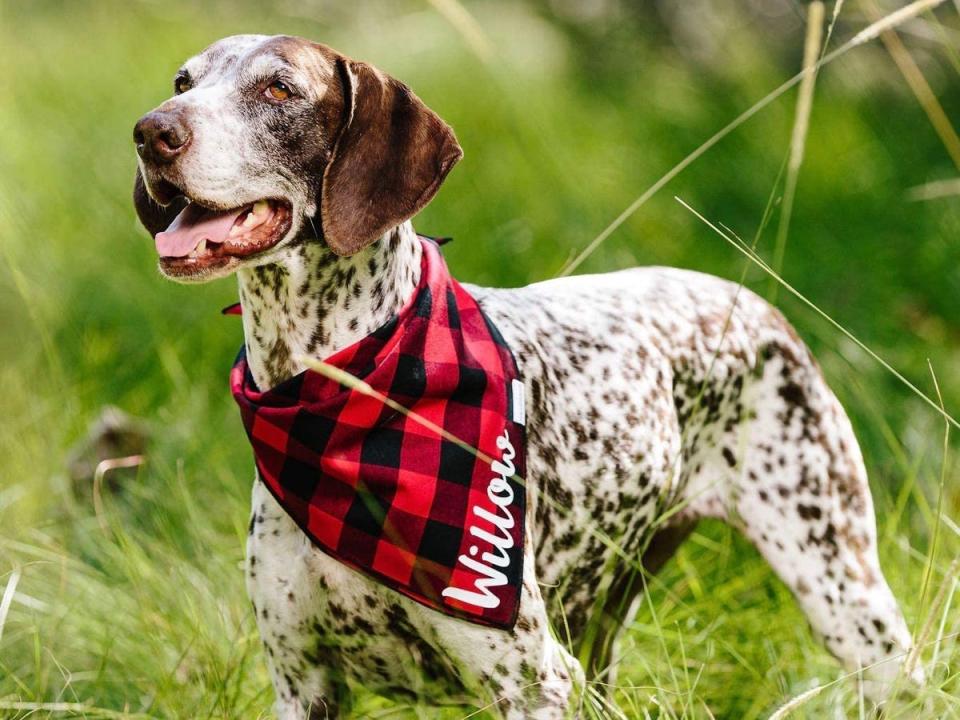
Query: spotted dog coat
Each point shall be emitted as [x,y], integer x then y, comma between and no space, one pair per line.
[650,392]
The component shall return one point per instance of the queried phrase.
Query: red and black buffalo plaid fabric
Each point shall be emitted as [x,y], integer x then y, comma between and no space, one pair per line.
[387,496]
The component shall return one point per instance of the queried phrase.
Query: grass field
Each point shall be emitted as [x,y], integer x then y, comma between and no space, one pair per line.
[567,112]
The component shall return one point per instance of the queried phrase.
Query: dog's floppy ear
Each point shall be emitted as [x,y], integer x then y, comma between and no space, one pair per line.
[154,216]
[389,159]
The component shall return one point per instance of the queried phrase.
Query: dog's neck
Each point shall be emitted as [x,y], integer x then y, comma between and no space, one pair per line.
[313,302]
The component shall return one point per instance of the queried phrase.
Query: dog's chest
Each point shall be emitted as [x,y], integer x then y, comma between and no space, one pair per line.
[313,611]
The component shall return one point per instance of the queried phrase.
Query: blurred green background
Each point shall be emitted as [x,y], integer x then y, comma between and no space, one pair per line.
[567,110]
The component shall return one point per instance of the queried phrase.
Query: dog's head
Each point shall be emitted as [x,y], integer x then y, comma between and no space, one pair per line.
[272,141]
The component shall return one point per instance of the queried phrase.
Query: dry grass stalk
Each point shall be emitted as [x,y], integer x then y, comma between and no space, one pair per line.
[919,86]
[801,125]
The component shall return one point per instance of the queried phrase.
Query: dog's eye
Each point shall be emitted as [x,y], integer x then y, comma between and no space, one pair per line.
[182,84]
[278,91]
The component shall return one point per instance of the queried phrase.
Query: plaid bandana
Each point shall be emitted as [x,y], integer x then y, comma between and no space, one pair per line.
[387,496]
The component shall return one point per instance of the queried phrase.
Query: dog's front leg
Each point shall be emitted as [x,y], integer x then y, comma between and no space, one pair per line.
[524,673]
[284,582]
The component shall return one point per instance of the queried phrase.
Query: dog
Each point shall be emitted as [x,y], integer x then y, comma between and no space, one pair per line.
[654,397]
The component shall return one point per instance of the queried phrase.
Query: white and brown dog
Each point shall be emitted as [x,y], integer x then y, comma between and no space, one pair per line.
[651,392]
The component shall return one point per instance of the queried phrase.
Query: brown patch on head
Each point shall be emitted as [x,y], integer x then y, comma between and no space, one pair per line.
[389,160]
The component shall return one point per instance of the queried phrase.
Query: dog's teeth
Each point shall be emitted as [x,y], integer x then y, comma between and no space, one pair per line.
[249,220]
[235,230]
[199,249]
[260,207]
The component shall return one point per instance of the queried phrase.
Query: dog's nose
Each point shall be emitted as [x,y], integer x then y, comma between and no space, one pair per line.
[161,137]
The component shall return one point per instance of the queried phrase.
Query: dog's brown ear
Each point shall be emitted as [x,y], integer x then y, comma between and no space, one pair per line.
[390,157]
[154,216]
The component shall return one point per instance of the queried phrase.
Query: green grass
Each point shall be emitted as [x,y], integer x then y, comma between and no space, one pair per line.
[564,121]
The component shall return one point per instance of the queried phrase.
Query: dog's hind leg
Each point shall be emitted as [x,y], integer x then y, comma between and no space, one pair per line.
[784,467]
[620,603]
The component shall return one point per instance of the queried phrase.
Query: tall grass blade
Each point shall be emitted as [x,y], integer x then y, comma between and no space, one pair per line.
[932,552]
[869,33]
[7,599]
[798,139]
[463,22]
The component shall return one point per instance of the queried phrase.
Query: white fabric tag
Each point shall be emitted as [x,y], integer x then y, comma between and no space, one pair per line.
[517,402]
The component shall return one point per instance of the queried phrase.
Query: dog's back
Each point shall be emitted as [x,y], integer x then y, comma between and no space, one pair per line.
[658,391]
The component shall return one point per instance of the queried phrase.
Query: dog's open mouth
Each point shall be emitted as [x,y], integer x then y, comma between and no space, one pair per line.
[201,239]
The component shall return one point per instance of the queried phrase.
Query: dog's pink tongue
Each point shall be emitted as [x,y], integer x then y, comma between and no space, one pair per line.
[191,226]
